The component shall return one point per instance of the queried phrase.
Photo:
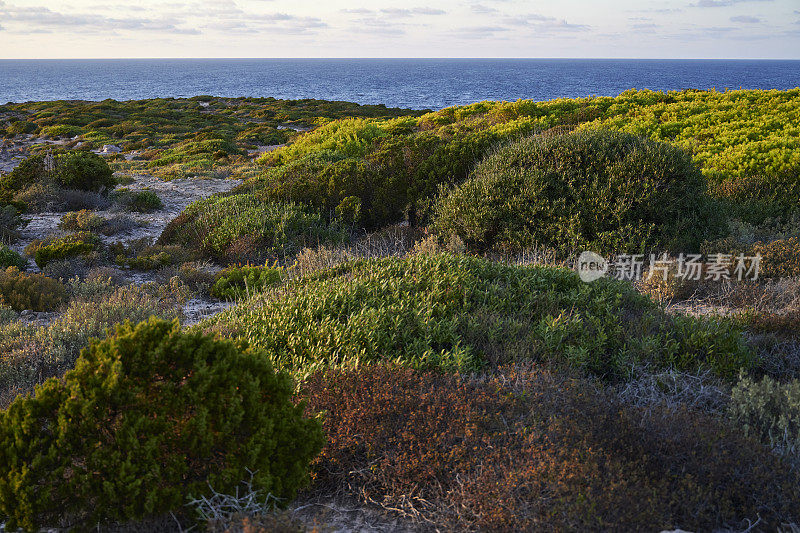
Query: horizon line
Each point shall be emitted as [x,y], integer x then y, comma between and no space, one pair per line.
[407,58]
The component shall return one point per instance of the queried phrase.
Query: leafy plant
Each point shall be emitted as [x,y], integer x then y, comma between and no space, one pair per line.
[9,257]
[57,248]
[596,190]
[23,291]
[187,411]
[143,201]
[238,282]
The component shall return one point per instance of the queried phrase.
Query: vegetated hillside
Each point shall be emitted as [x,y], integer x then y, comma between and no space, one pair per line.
[176,137]
[374,172]
[463,377]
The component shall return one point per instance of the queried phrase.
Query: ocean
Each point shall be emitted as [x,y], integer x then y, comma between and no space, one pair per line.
[409,83]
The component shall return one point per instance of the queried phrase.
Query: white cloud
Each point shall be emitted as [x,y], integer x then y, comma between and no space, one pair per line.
[746,19]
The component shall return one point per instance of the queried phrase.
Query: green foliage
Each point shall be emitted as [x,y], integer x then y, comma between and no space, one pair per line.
[143,201]
[83,220]
[150,257]
[238,282]
[9,220]
[9,257]
[57,248]
[186,411]
[70,169]
[245,228]
[769,411]
[85,171]
[456,312]
[597,190]
[37,292]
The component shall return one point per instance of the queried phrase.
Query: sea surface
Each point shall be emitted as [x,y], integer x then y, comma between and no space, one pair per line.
[410,83]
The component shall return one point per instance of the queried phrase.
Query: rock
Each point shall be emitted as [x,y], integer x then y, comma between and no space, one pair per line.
[111,149]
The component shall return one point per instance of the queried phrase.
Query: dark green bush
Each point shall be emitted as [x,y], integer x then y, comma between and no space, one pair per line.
[458,312]
[237,282]
[9,257]
[600,190]
[9,220]
[769,411]
[37,292]
[72,169]
[248,228]
[83,170]
[147,418]
[143,201]
[51,249]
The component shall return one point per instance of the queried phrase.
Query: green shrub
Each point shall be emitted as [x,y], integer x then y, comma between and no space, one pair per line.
[9,257]
[246,228]
[143,201]
[71,169]
[51,249]
[9,220]
[37,292]
[457,312]
[83,170]
[598,190]
[150,257]
[83,220]
[236,283]
[187,412]
[769,411]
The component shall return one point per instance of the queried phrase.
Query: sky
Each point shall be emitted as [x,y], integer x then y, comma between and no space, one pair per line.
[758,29]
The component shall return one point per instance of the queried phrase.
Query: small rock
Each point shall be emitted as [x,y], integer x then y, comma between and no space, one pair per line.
[111,149]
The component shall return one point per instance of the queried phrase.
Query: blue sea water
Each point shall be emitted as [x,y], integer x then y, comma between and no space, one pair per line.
[412,83]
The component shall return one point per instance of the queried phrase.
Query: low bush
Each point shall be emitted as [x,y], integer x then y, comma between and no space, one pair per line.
[188,412]
[245,228]
[23,291]
[9,257]
[83,220]
[238,282]
[143,201]
[9,221]
[457,312]
[526,450]
[598,190]
[769,411]
[143,255]
[68,169]
[57,248]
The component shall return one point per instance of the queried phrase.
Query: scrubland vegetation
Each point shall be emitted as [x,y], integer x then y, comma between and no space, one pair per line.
[406,332]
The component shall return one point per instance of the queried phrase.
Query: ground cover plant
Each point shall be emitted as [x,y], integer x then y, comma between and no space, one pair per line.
[460,313]
[524,449]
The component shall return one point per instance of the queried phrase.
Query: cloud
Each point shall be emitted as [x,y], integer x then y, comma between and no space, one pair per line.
[39,19]
[479,32]
[722,3]
[545,24]
[400,12]
[645,26]
[746,19]
[481,9]
[358,11]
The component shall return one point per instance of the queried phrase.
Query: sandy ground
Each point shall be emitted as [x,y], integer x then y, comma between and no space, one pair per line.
[176,195]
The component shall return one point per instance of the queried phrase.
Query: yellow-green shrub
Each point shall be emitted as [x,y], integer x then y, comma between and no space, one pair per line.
[23,291]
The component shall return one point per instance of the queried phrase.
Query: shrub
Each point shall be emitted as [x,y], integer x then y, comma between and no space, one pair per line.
[456,312]
[83,220]
[9,257]
[598,190]
[83,170]
[560,454]
[70,169]
[50,249]
[30,291]
[143,201]
[246,228]
[235,283]
[150,257]
[9,220]
[768,411]
[219,412]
